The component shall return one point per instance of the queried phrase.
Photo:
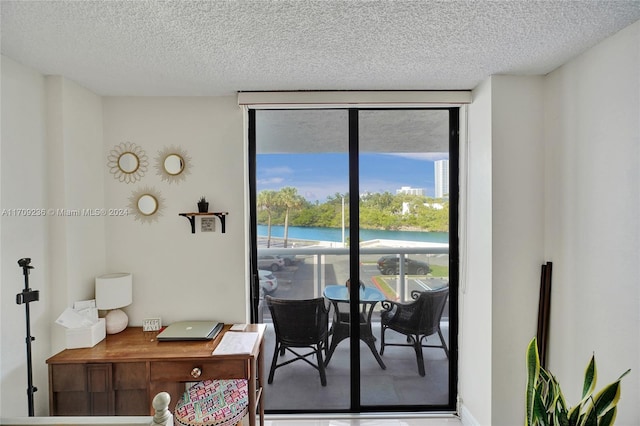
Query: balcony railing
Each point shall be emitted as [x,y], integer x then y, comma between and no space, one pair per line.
[318,255]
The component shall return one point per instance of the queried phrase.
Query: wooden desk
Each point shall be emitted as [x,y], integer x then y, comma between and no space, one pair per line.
[122,374]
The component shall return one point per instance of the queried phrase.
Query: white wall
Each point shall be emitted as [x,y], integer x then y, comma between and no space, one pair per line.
[592,233]
[24,186]
[77,243]
[517,237]
[505,246]
[475,291]
[179,275]
[51,144]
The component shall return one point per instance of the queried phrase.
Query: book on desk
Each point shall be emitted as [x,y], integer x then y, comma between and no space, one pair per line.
[241,342]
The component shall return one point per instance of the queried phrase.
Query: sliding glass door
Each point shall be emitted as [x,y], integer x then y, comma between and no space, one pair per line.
[404,218]
[362,196]
[301,186]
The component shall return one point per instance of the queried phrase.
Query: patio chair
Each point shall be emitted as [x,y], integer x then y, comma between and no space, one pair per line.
[299,324]
[416,319]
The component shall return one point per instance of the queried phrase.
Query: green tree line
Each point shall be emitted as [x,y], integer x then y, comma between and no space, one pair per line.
[377,211]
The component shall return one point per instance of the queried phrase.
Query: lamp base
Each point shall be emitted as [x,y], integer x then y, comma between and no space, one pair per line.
[116,321]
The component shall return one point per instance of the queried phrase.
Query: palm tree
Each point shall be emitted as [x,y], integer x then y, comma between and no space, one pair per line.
[267,200]
[289,198]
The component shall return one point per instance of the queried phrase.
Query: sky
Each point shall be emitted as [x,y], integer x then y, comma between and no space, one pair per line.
[318,175]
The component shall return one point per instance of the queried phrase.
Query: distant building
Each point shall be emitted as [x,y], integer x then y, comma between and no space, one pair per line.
[406,207]
[411,191]
[441,171]
[365,194]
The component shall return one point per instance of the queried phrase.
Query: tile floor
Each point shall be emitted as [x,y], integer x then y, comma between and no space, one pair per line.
[296,386]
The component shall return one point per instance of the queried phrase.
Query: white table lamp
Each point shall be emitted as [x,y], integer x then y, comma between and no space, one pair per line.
[114,291]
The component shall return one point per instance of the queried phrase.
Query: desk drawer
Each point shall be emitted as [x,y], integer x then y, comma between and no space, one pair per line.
[189,371]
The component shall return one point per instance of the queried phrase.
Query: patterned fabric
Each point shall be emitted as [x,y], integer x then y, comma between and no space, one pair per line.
[213,402]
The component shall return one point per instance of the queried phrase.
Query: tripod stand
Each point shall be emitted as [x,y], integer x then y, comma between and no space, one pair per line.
[27,296]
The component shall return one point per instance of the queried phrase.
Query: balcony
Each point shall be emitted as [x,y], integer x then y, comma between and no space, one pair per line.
[296,387]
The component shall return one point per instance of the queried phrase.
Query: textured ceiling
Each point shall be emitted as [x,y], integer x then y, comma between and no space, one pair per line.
[221,47]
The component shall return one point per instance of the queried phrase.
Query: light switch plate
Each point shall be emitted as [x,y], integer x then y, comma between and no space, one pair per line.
[151,324]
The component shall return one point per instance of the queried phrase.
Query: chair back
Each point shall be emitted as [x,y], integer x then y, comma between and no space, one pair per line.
[431,305]
[299,322]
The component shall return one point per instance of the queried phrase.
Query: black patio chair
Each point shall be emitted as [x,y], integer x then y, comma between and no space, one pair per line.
[299,324]
[416,319]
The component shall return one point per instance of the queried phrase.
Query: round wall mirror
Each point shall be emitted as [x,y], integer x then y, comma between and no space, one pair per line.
[173,164]
[127,162]
[147,204]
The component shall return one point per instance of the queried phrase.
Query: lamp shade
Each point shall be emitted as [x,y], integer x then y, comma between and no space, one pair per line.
[114,291]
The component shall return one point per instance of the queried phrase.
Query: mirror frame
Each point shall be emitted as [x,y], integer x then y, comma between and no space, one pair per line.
[153,199]
[116,154]
[165,174]
[132,155]
[180,160]
[134,205]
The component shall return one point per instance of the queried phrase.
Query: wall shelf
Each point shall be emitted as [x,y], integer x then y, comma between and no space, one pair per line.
[192,219]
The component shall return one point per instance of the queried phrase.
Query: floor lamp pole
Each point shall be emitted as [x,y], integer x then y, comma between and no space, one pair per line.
[25,298]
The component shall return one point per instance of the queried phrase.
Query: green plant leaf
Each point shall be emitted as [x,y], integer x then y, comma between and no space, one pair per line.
[539,412]
[563,420]
[607,398]
[546,405]
[559,414]
[544,387]
[608,418]
[624,374]
[561,400]
[574,415]
[590,418]
[533,370]
[590,377]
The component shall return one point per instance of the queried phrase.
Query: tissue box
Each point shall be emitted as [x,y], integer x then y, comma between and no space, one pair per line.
[86,337]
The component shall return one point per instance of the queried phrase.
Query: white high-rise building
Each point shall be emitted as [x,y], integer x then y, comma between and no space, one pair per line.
[411,191]
[441,171]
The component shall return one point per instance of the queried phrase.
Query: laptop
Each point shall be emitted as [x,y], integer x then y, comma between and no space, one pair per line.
[190,330]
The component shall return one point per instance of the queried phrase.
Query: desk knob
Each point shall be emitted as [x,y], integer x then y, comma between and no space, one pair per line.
[196,372]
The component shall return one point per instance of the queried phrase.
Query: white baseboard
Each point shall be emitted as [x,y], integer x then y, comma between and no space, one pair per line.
[466,417]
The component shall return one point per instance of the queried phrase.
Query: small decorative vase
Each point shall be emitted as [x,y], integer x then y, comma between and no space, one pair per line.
[116,321]
[203,207]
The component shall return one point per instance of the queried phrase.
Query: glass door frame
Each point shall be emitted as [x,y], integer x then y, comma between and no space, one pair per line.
[354,252]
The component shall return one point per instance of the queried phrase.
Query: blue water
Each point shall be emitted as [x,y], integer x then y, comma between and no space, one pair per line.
[335,234]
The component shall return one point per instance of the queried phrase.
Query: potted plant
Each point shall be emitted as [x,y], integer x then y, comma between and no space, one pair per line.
[203,205]
[546,405]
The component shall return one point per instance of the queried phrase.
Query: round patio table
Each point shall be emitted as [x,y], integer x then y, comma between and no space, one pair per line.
[339,294]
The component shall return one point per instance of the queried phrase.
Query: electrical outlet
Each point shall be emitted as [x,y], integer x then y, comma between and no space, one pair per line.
[151,324]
